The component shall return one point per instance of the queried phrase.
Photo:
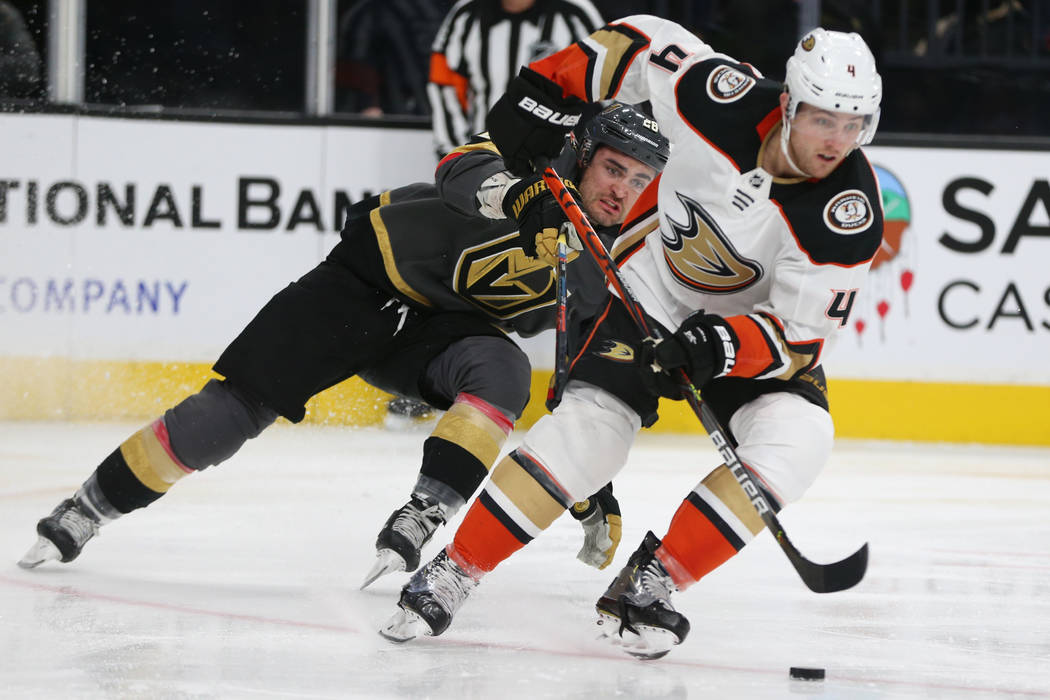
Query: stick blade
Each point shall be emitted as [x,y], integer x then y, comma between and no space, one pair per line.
[830,578]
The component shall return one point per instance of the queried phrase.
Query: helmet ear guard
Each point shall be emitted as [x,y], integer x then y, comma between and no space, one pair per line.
[834,71]
[626,130]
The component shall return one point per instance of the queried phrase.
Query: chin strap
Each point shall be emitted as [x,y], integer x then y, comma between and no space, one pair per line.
[785,134]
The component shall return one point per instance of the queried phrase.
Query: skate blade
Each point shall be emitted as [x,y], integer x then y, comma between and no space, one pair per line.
[646,642]
[43,550]
[387,562]
[405,625]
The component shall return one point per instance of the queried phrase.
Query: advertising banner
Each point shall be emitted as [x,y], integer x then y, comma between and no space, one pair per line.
[131,244]
[158,240]
[960,291]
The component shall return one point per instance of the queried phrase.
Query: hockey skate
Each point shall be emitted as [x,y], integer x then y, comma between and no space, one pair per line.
[635,612]
[62,535]
[429,600]
[402,538]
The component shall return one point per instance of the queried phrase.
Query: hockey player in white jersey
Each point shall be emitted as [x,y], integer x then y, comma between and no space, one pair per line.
[747,253]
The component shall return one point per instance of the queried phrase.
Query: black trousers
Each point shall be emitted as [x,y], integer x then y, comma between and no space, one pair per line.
[331,325]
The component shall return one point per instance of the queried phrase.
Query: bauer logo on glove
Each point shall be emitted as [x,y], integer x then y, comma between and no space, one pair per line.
[547,114]
[531,120]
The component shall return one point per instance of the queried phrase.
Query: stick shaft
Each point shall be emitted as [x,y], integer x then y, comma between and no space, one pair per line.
[561,340]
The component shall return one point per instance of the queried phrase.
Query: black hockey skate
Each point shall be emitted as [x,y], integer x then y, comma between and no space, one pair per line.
[429,600]
[635,611]
[62,535]
[402,538]
[403,413]
[410,408]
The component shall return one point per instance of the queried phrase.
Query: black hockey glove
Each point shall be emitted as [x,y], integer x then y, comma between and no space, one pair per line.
[532,205]
[704,346]
[602,527]
[531,120]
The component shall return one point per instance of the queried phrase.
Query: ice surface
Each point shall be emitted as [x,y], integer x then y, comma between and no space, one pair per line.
[243,582]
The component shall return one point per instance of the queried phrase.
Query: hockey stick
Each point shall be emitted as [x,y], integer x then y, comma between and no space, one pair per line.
[561,342]
[820,578]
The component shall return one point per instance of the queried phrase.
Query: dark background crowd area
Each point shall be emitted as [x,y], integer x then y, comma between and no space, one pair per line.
[951,67]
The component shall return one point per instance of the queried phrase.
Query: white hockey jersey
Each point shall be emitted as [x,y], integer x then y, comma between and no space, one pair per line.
[781,259]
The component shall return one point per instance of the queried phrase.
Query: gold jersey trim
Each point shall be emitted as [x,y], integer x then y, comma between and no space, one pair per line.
[387,252]
[617,46]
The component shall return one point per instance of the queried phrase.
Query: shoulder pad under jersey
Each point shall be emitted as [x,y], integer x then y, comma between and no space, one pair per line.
[837,220]
[716,96]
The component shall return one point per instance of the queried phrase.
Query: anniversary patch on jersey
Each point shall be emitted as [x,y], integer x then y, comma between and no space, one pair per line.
[700,255]
[502,280]
[727,84]
[849,212]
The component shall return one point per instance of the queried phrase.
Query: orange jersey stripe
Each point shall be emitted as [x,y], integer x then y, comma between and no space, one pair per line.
[568,68]
[754,356]
[768,122]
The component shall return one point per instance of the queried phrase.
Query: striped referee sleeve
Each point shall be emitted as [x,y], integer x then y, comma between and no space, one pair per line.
[479,48]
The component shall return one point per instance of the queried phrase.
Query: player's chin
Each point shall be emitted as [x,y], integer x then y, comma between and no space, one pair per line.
[822,166]
[603,218]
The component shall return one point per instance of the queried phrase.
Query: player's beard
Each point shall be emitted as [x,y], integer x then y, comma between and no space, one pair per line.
[810,162]
[598,214]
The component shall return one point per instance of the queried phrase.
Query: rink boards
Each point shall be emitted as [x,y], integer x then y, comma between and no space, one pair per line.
[133,250]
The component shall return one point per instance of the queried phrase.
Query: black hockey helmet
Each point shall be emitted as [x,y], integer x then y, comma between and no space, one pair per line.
[627,130]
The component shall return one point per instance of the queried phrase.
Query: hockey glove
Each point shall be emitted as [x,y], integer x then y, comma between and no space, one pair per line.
[531,120]
[547,245]
[704,346]
[532,205]
[602,527]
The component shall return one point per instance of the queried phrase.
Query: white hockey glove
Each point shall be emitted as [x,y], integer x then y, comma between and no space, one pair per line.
[602,527]
[491,193]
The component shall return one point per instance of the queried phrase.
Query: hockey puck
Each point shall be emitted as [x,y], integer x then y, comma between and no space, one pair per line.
[803,673]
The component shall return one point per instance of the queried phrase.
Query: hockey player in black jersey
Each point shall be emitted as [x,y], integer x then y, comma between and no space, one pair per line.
[417,298]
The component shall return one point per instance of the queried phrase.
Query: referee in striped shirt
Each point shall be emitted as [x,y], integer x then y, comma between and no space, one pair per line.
[481,45]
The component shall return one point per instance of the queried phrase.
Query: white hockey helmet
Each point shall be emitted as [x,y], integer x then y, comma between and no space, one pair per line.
[835,71]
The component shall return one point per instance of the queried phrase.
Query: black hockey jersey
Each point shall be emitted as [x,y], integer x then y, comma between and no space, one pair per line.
[428,246]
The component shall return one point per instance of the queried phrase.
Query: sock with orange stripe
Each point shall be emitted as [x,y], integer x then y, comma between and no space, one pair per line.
[707,531]
[521,501]
[694,544]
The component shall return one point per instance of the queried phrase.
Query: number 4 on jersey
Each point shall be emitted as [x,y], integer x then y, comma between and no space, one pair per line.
[841,305]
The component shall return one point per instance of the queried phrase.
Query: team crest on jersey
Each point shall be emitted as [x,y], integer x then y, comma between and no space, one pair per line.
[727,84]
[502,280]
[849,212]
[616,351]
[700,255]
